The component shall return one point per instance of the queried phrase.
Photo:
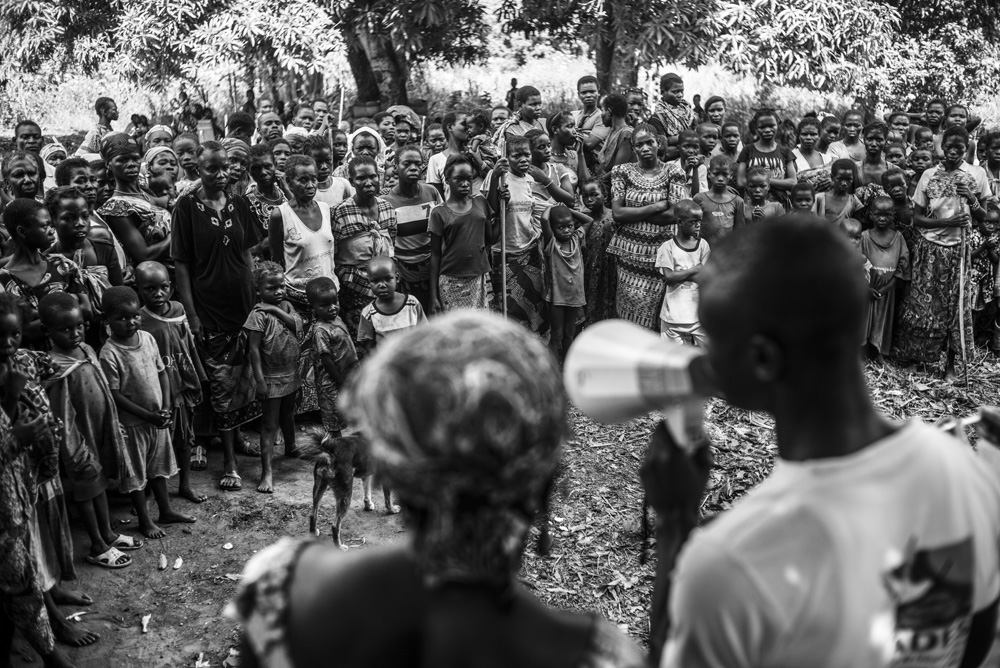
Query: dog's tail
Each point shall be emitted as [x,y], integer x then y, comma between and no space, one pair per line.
[314,445]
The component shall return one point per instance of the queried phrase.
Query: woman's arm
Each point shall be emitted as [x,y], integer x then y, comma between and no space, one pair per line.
[741,176]
[551,187]
[625,215]
[789,180]
[276,237]
[623,154]
[184,294]
[923,221]
[133,243]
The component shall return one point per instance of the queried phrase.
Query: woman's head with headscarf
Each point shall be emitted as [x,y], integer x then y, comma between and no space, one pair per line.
[122,156]
[158,135]
[466,415]
[160,160]
[239,163]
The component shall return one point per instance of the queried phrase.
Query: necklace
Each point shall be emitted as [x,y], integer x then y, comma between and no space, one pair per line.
[270,200]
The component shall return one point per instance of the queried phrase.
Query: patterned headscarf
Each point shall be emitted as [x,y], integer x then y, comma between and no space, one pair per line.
[237,146]
[467,416]
[118,143]
[158,128]
[147,160]
[49,149]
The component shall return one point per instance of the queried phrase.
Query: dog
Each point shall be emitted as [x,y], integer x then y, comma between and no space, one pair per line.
[338,460]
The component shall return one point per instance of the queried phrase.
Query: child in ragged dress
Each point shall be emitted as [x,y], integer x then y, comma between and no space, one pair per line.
[141,390]
[886,249]
[274,328]
[167,322]
[90,450]
[334,355]
[565,285]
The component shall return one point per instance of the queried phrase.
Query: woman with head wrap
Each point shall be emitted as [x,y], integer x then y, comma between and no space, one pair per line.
[466,417]
[52,154]
[158,135]
[364,141]
[142,227]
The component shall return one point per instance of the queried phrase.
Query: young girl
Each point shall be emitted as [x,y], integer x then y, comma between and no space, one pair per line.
[850,147]
[730,142]
[757,206]
[391,312]
[552,182]
[567,148]
[273,327]
[92,442]
[281,150]
[167,322]
[564,244]
[890,259]
[264,195]
[871,168]
[830,133]
[767,153]
[462,231]
[31,273]
[330,190]
[803,197]
[690,164]
[96,258]
[723,209]
[810,163]
[456,130]
[919,160]
[599,267]
[338,147]
[840,202]
[185,147]
[333,354]
[434,140]
[141,390]
[481,142]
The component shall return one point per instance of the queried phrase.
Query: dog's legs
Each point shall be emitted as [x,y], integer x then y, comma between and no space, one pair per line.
[390,507]
[366,486]
[346,484]
[320,484]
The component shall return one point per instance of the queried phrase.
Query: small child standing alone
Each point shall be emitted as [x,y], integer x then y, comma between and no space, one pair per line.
[391,311]
[565,289]
[274,327]
[886,250]
[680,259]
[141,390]
[333,352]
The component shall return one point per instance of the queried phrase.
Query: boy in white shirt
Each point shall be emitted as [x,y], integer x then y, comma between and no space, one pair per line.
[679,260]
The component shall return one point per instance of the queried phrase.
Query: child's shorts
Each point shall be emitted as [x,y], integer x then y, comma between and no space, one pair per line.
[150,456]
[689,334]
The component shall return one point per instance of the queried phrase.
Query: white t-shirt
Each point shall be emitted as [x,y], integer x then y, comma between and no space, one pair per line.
[339,190]
[680,302]
[376,325]
[879,558]
[525,212]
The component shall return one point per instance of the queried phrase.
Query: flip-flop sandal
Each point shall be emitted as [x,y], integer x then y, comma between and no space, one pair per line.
[199,459]
[113,558]
[127,543]
[231,487]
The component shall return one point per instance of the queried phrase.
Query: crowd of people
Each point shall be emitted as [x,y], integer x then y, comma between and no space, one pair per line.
[161,288]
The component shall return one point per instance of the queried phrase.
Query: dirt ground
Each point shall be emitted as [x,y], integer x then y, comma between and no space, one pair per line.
[596,520]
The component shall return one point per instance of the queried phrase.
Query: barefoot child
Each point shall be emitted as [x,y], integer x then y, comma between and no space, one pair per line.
[28,455]
[803,197]
[723,208]
[274,328]
[92,442]
[167,322]
[758,206]
[679,260]
[391,312]
[141,390]
[890,259]
[334,355]
[840,202]
[599,268]
[565,285]
[850,147]
[461,231]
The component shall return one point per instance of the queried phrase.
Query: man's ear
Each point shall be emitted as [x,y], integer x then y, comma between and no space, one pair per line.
[767,360]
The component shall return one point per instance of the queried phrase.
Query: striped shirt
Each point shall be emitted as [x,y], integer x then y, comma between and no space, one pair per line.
[413,241]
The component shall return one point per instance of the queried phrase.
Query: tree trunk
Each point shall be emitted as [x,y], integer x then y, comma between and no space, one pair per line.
[389,69]
[604,50]
[364,77]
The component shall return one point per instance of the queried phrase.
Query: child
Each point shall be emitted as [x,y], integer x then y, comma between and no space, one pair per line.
[708,139]
[992,163]
[273,327]
[461,232]
[691,163]
[435,141]
[984,280]
[281,150]
[894,184]
[803,197]
[839,203]
[767,153]
[873,164]
[850,147]
[185,148]
[333,353]
[391,311]
[680,260]
[565,293]
[264,195]
[923,139]
[338,148]
[481,141]
[141,390]
[92,441]
[890,259]
[757,206]
[599,270]
[167,322]
[830,133]
[920,160]
[723,208]
[730,141]
[851,227]
[96,258]
[329,189]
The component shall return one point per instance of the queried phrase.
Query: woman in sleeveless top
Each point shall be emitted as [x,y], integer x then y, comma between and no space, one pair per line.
[301,238]
[471,463]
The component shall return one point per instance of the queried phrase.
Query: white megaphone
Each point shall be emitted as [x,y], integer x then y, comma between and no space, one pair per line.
[616,371]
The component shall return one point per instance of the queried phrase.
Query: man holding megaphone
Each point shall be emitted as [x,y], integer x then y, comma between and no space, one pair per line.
[871,543]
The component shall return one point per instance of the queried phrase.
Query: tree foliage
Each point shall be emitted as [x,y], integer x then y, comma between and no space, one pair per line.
[814,43]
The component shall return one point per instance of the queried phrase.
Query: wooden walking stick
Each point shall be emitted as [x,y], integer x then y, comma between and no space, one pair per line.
[961,308]
[503,245]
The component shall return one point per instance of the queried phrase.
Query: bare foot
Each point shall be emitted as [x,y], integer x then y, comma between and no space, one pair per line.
[266,485]
[150,530]
[74,636]
[56,659]
[174,517]
[68,597]
[369,505]
[191,495]
[392,509]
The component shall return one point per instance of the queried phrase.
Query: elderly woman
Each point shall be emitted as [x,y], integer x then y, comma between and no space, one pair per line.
[466,417]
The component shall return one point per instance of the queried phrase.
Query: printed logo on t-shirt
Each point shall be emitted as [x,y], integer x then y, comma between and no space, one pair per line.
[932,592]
